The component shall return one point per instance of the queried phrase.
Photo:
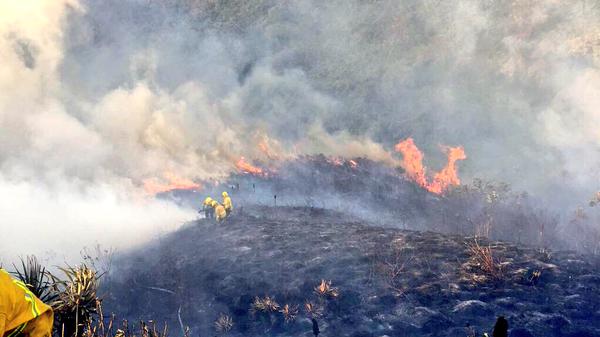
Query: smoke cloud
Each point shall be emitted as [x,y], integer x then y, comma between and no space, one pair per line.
[99,96]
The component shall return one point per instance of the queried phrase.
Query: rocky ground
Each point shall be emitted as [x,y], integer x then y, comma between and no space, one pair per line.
[390,282]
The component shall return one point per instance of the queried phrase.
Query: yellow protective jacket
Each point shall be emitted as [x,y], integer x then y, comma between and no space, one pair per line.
[220,212]
[227,202]
[21,312]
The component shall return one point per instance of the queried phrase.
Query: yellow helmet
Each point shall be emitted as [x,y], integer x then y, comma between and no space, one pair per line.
[207,200]
[213,203]
[224,194]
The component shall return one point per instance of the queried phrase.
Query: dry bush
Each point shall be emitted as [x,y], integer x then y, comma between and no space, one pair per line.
[482,258]
[325,290]
[390,267]
[493,210]
[224,324]
[583,232]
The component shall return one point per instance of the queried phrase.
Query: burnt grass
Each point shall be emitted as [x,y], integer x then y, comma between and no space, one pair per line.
[391,282]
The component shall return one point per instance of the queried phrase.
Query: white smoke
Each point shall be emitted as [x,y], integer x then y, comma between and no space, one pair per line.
[97,97]
[64,183]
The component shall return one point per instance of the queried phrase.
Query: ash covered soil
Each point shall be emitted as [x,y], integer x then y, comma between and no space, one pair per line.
[391,282]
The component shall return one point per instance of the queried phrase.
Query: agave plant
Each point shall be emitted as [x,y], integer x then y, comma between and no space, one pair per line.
[313,310]
[266,305]
[325,290]
[77,300]
[37,279]
[224,324]
[290,312]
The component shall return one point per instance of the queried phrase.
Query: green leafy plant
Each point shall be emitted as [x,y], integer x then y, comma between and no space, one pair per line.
[37,279]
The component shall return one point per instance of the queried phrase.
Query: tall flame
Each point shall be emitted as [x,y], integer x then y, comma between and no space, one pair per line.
[413,165]
[244,167]
[169,182]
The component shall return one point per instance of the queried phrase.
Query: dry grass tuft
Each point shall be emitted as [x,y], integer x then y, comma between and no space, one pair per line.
[145,330]
[266,304]
[224,324]
[482,258]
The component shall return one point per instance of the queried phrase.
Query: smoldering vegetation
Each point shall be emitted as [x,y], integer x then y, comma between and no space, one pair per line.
[267,271]
[384,196]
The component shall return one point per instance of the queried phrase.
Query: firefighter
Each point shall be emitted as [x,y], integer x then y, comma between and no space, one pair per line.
[227,203]
[21,312]
[219,210]
[209,211]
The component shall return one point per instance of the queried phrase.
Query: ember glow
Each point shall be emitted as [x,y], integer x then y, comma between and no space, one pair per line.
[244,167]
[169,182]
[415,170]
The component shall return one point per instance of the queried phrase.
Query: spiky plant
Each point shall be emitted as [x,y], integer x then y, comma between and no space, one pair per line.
[289,312]
[266,304]
[325,290]
[313,310]
[36,278]
[224,324]
[77,301]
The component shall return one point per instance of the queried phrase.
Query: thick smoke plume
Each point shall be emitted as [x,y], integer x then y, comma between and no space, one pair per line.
[98,98]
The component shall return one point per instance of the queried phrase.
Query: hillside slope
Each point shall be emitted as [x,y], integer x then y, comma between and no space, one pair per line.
[390,282]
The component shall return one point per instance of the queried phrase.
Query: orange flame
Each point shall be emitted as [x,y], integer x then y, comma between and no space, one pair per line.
[413,165]
[169,182]
[244,167]
[353,163]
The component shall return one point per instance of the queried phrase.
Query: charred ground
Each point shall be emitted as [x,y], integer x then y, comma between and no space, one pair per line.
[391,282]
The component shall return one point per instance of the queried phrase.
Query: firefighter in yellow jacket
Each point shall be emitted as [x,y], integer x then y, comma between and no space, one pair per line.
[209,211]
[21,312]
[220,212]
[227,203]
